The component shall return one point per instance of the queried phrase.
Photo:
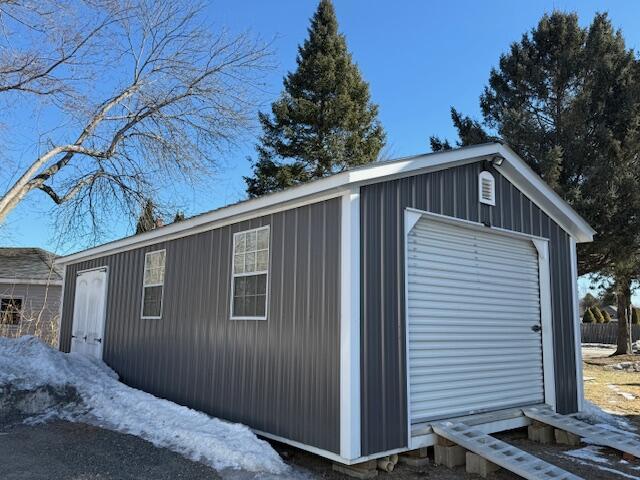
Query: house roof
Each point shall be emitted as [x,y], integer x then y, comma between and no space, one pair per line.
[28,265]
[512,167]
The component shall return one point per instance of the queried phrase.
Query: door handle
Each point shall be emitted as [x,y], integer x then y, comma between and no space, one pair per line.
[536,328]
[99,340]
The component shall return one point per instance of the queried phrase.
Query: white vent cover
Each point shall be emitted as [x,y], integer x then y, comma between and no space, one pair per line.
[487,188]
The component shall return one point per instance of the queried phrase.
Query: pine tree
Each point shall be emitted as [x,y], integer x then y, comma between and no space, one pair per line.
[324,121]
[179,216]
[588,317]
[567,99]
[147,220]
[607,317]
[470,132]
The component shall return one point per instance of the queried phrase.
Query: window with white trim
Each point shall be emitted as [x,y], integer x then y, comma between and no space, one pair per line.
[250,273]
[153,284]
[487,188]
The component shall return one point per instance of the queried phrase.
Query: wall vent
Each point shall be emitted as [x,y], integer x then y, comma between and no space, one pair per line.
[487,188]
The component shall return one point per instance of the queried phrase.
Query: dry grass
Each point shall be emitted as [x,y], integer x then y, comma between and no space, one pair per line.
[604,386]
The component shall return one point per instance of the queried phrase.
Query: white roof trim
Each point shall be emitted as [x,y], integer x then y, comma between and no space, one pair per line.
[514,168]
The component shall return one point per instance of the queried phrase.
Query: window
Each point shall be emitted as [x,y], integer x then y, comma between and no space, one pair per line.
[153,284]
[250,272]
[487,188]
[10,311]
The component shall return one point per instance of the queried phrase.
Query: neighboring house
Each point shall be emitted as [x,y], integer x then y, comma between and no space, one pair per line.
[345,315]
[612,311]
[30,292]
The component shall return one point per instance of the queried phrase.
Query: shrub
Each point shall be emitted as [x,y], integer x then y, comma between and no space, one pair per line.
[597,313]
[607,317]
[635,316]
[588,316]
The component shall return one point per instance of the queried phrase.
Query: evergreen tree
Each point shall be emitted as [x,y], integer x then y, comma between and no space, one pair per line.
[588,317]
[324,121]
[635,316]
[567,99]
[179,216]
[597,313]
[470,132]
[607,317]
[589,301]
[147,220]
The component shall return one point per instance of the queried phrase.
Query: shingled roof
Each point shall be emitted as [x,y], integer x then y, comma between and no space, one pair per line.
[28,264]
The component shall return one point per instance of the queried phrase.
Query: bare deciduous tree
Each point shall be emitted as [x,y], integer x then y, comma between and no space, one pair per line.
[140,91]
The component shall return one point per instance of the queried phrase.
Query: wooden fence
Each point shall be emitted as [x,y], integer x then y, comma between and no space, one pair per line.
[604,332]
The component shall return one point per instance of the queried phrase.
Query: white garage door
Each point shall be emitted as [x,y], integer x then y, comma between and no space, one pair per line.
[475,340]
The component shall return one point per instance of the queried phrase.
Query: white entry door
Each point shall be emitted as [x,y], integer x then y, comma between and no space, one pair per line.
[474,321]
[89,313]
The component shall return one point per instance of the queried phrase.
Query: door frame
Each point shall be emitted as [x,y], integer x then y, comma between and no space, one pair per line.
[411,217]
[104,306]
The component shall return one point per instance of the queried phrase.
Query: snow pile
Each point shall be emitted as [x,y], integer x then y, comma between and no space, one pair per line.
[594,458]
[604,419]
[26,364]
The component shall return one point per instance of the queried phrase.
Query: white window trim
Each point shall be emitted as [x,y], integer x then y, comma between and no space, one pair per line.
[250,274]
[142,316]
[485,175]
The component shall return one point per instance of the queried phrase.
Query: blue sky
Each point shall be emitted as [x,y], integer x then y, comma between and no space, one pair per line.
[420,58]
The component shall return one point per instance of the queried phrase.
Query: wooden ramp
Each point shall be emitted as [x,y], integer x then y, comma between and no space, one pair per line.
[501,453]
[623,442]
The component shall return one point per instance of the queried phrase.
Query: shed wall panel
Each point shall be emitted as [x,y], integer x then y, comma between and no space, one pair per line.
[453,192]
[279,376]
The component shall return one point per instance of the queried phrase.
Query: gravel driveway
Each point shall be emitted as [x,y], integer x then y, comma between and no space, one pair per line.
[62,450]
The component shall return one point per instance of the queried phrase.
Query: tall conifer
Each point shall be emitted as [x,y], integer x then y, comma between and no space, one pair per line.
[324,120]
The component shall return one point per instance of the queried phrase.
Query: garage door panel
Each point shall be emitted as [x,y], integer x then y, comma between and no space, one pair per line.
[436,361]
[479,387]
[444,269]
[463,282]
[419,376]
[472,300]
[450,407]
[455,313]
[459,256]
[445,242]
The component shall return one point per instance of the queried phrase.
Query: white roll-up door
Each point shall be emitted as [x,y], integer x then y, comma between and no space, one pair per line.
[473,310]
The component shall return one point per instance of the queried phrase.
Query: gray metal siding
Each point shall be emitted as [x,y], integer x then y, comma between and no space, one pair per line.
[40,310]
[280,376]
[452,192]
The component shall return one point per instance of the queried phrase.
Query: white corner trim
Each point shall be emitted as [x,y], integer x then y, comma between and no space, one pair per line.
[544,273]
[350,427]
[411,217]
[577,333]
[61,307]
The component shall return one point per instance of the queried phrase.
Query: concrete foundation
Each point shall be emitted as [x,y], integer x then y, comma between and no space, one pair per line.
[480,466]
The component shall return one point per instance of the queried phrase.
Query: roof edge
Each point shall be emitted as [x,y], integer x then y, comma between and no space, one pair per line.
[337,184]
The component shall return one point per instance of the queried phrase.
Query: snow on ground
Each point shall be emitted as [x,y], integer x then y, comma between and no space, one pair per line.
[27,364]
[601,418]
[593,457]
